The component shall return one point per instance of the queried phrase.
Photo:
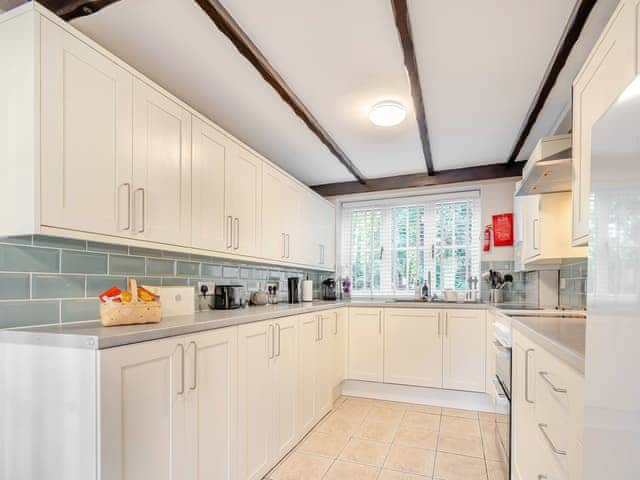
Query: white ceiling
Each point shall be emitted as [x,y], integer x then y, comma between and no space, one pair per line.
[480,66]
[176,45]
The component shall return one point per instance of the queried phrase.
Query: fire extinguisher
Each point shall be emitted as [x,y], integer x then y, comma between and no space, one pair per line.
[486,244]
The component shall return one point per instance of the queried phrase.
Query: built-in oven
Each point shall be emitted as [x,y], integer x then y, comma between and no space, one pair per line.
[501,394]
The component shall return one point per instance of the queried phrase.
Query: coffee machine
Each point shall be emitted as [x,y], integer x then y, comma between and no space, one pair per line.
[329,289]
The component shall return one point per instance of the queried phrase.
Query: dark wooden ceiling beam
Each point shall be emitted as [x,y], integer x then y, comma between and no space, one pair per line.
[569,38]
[403,24]
[416,180]
[229,27]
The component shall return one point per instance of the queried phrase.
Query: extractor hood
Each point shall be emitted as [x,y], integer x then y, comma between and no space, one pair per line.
[548,170]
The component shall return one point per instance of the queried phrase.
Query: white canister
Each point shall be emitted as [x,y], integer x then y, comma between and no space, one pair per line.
[307,291]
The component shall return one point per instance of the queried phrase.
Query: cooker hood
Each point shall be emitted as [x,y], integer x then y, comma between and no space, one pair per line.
[548,170]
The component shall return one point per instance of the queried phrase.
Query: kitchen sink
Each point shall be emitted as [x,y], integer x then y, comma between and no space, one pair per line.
[413,300]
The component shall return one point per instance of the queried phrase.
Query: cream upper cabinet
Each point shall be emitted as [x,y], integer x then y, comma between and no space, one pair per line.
[610,67]
[243,202]
[143,411]
[86,136]
[318,231]
[162,168]
[365,344]
[280,216]
[211,153]
[464,350]
[285,360]
[211,385]
[413,347]
[327,225]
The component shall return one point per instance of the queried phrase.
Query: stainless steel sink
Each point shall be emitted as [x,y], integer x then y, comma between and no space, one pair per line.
[414,300]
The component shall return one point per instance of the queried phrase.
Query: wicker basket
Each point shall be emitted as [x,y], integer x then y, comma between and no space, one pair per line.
[112,314]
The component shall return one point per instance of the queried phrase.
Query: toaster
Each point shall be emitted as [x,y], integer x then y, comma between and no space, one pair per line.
[226,297]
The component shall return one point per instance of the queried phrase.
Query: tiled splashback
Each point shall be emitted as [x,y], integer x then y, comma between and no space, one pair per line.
[47,280]
[573,284]
[525,290]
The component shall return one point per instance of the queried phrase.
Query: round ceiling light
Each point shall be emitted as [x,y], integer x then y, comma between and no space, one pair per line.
[387,113]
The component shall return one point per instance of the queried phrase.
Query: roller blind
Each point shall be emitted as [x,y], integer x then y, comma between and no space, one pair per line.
[389,246]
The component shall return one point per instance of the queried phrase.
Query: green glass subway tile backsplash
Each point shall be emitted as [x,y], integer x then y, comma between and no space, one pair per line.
[46,279]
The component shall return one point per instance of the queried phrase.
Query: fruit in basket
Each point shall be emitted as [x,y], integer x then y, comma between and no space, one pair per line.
[126,297]
[145,295]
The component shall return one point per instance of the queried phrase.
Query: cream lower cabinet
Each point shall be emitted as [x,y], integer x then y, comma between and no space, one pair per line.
[325,363]
[464,350]
[413,347]
[339,333]
[365,356]
[168,408]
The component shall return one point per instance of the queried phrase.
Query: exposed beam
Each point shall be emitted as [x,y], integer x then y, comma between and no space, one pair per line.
[403,24]
[229,27]
[569,38]
[443,177]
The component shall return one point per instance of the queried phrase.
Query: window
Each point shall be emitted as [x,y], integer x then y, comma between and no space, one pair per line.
[388,247]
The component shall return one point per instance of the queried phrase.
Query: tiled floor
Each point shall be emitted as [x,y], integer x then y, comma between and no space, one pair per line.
[366,439]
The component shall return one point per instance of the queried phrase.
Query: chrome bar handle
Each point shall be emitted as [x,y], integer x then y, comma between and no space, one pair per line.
[439,328]
[195,365]
[545,377]
[229,231]
[141,229]
[317,328]
[535,220]
[283,246]
[380,322]
[288,245]
[446,324]
[237,239]
[321,328]
[128,185]
[279,339]
[526,374]
[335,323]
[270,334]
[542,477]
[554,449]
[181,392]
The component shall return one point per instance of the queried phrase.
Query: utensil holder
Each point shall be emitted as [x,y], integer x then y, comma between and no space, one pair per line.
[496,295]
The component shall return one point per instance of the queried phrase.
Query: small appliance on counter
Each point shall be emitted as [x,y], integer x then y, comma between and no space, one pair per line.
[259,297]
[294,289]
[329,289]
[307,290]
[227,297]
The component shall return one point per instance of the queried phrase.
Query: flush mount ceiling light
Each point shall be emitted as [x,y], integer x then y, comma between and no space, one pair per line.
[387,113]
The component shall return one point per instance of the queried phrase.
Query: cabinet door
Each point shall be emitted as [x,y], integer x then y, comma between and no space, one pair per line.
[365,344]
[286,385]
[524,446]
[162,167]
[255,399]
[324,365]
[464,350]
[413,347]
[609,69]
[308,359]
[531,226]
[293,217]
[212,399]
[339,345]
[274,221]
[210,155]
[143,430]
[86,137]
[243,202]
[327,234]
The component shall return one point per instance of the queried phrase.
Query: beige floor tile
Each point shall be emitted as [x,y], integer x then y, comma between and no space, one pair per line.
[456,412]
[417,437]
[391,404]
[471,446]
[378,431]
[394,475]
[351,471]
[298,466]
[360,401]
[458,467]
[339,401]
[424,409]
[497,470]
[338,422]
[461,427]
[487,427]
[425,421]
[365,451]
[357,412]
[410,460]
[493,449]
[385,414]
[324,444]
[487,416]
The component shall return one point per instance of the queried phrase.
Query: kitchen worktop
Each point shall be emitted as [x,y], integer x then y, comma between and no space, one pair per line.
[563,337]
[92,335]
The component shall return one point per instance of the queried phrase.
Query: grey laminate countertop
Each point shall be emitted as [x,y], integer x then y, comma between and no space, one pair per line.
[92,335]
[563,337]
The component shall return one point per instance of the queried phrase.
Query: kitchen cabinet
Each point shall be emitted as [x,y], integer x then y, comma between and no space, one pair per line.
[281,202]
[524,436]
[86,149]
[211,153]
[243,195]
[318,234]
[546,229]
[365,356]
[610,67]
[339,333]
[413,347]
[307,398]
[464,349]
[325,363]
[161,198]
